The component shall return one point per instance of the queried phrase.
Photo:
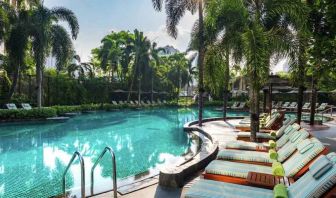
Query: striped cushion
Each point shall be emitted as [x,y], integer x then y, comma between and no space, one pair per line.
[235,169]
[285,137]
[243,145]
[291,146]
[252,156]
[259,135]
[309,187]
[285,125]
[297,161]
[215,189]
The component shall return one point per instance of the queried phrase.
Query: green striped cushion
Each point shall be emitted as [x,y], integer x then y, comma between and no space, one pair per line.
[309,187]
[243,145]
[234,169]
[215,189]
[285,137]
[297,161]
[259,135]
[291,146]
[252,156]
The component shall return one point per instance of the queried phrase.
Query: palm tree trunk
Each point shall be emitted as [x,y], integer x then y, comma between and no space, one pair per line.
[301,76]
[39,85]
[254,113]
[14,83]
[313,102]
[226,82]
[131,87]
[139,90]
[201,53]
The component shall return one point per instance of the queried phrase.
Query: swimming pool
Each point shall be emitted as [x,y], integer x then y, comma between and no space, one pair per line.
[33,156]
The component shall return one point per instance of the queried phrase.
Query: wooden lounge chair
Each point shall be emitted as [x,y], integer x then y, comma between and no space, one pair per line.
[11,106]
[319,181]
[285,105]
[322,107]
[272,123]
[256,157]
[294,167]
[306,106]
[278,105]
[26,106]
[292,106]
[265,136]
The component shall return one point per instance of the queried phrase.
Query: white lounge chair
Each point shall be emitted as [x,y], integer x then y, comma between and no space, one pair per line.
[285,105]
[11,106]
[322,107]
[114,102]
[26,106]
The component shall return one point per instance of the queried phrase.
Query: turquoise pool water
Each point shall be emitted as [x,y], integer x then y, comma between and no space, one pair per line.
[33,156]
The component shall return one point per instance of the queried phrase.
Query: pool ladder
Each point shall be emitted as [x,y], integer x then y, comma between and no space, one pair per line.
[82,165]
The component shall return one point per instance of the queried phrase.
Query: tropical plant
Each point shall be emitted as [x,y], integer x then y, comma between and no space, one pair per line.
[175,11]
[141,59]
[79,69]
[265,31]
[154,63]
[50,38]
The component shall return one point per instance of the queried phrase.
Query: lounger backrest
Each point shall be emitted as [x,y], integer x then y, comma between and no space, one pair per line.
[285,125]
[285,137]
[286,104]
[114,102]
[299,159]
[11,106]
[311,186]
[26,106]
[272,120]
[291,145]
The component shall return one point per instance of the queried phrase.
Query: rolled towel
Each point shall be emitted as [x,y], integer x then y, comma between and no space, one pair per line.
[280,191]
[273,154]
[277,169]
[272,144]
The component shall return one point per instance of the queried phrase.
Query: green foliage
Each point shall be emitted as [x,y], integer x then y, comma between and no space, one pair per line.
[21,114]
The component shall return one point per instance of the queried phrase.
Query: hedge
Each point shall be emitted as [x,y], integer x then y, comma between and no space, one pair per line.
[22,114]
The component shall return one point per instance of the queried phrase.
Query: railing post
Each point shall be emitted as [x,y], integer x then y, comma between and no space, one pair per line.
[81,160]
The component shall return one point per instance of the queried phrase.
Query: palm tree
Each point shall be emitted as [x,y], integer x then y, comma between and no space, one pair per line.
[50,38]
[81,69]
[155,62]
[265,31]
[141,47]
[175,11]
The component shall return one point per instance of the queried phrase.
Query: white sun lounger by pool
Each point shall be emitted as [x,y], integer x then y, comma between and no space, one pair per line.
[26,106]
[11,106]
[114,102]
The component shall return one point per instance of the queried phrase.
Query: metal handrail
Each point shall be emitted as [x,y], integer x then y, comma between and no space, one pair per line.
[81,160]
[326,110]
[114,170]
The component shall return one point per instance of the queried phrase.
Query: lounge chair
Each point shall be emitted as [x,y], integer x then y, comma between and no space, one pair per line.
[278,105]
[26,106]
[272,135]
[285,105]
[131,102]
[306,106]
[292,106]
[294,167]
[11,106]
[154,103]
[234,105]
[263,116]
[322,107]
[121,102]
[148,102]
[255,157]
[240,106]
[270,123]
[164,101]
[319,181]
[283,133]
[159,102]
[114,102]
[143,103]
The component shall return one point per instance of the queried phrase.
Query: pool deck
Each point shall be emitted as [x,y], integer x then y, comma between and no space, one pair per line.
[222,132]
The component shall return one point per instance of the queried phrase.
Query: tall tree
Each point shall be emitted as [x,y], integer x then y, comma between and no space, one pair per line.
[155,62]
[265,31]
[50,38]
[175,11]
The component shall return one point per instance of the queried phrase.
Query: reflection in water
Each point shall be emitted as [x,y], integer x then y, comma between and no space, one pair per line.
[33,156]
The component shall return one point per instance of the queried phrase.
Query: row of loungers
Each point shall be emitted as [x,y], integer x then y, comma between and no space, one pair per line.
[292,162]
[12,106]
[142,103]
[292,106]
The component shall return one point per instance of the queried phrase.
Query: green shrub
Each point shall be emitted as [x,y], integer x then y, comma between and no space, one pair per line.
[22,114]
[66,109]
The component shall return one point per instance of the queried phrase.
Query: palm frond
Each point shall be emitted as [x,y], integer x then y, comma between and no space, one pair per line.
[68,16]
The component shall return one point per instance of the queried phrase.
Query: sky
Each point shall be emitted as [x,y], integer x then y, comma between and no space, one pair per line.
[97,18]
